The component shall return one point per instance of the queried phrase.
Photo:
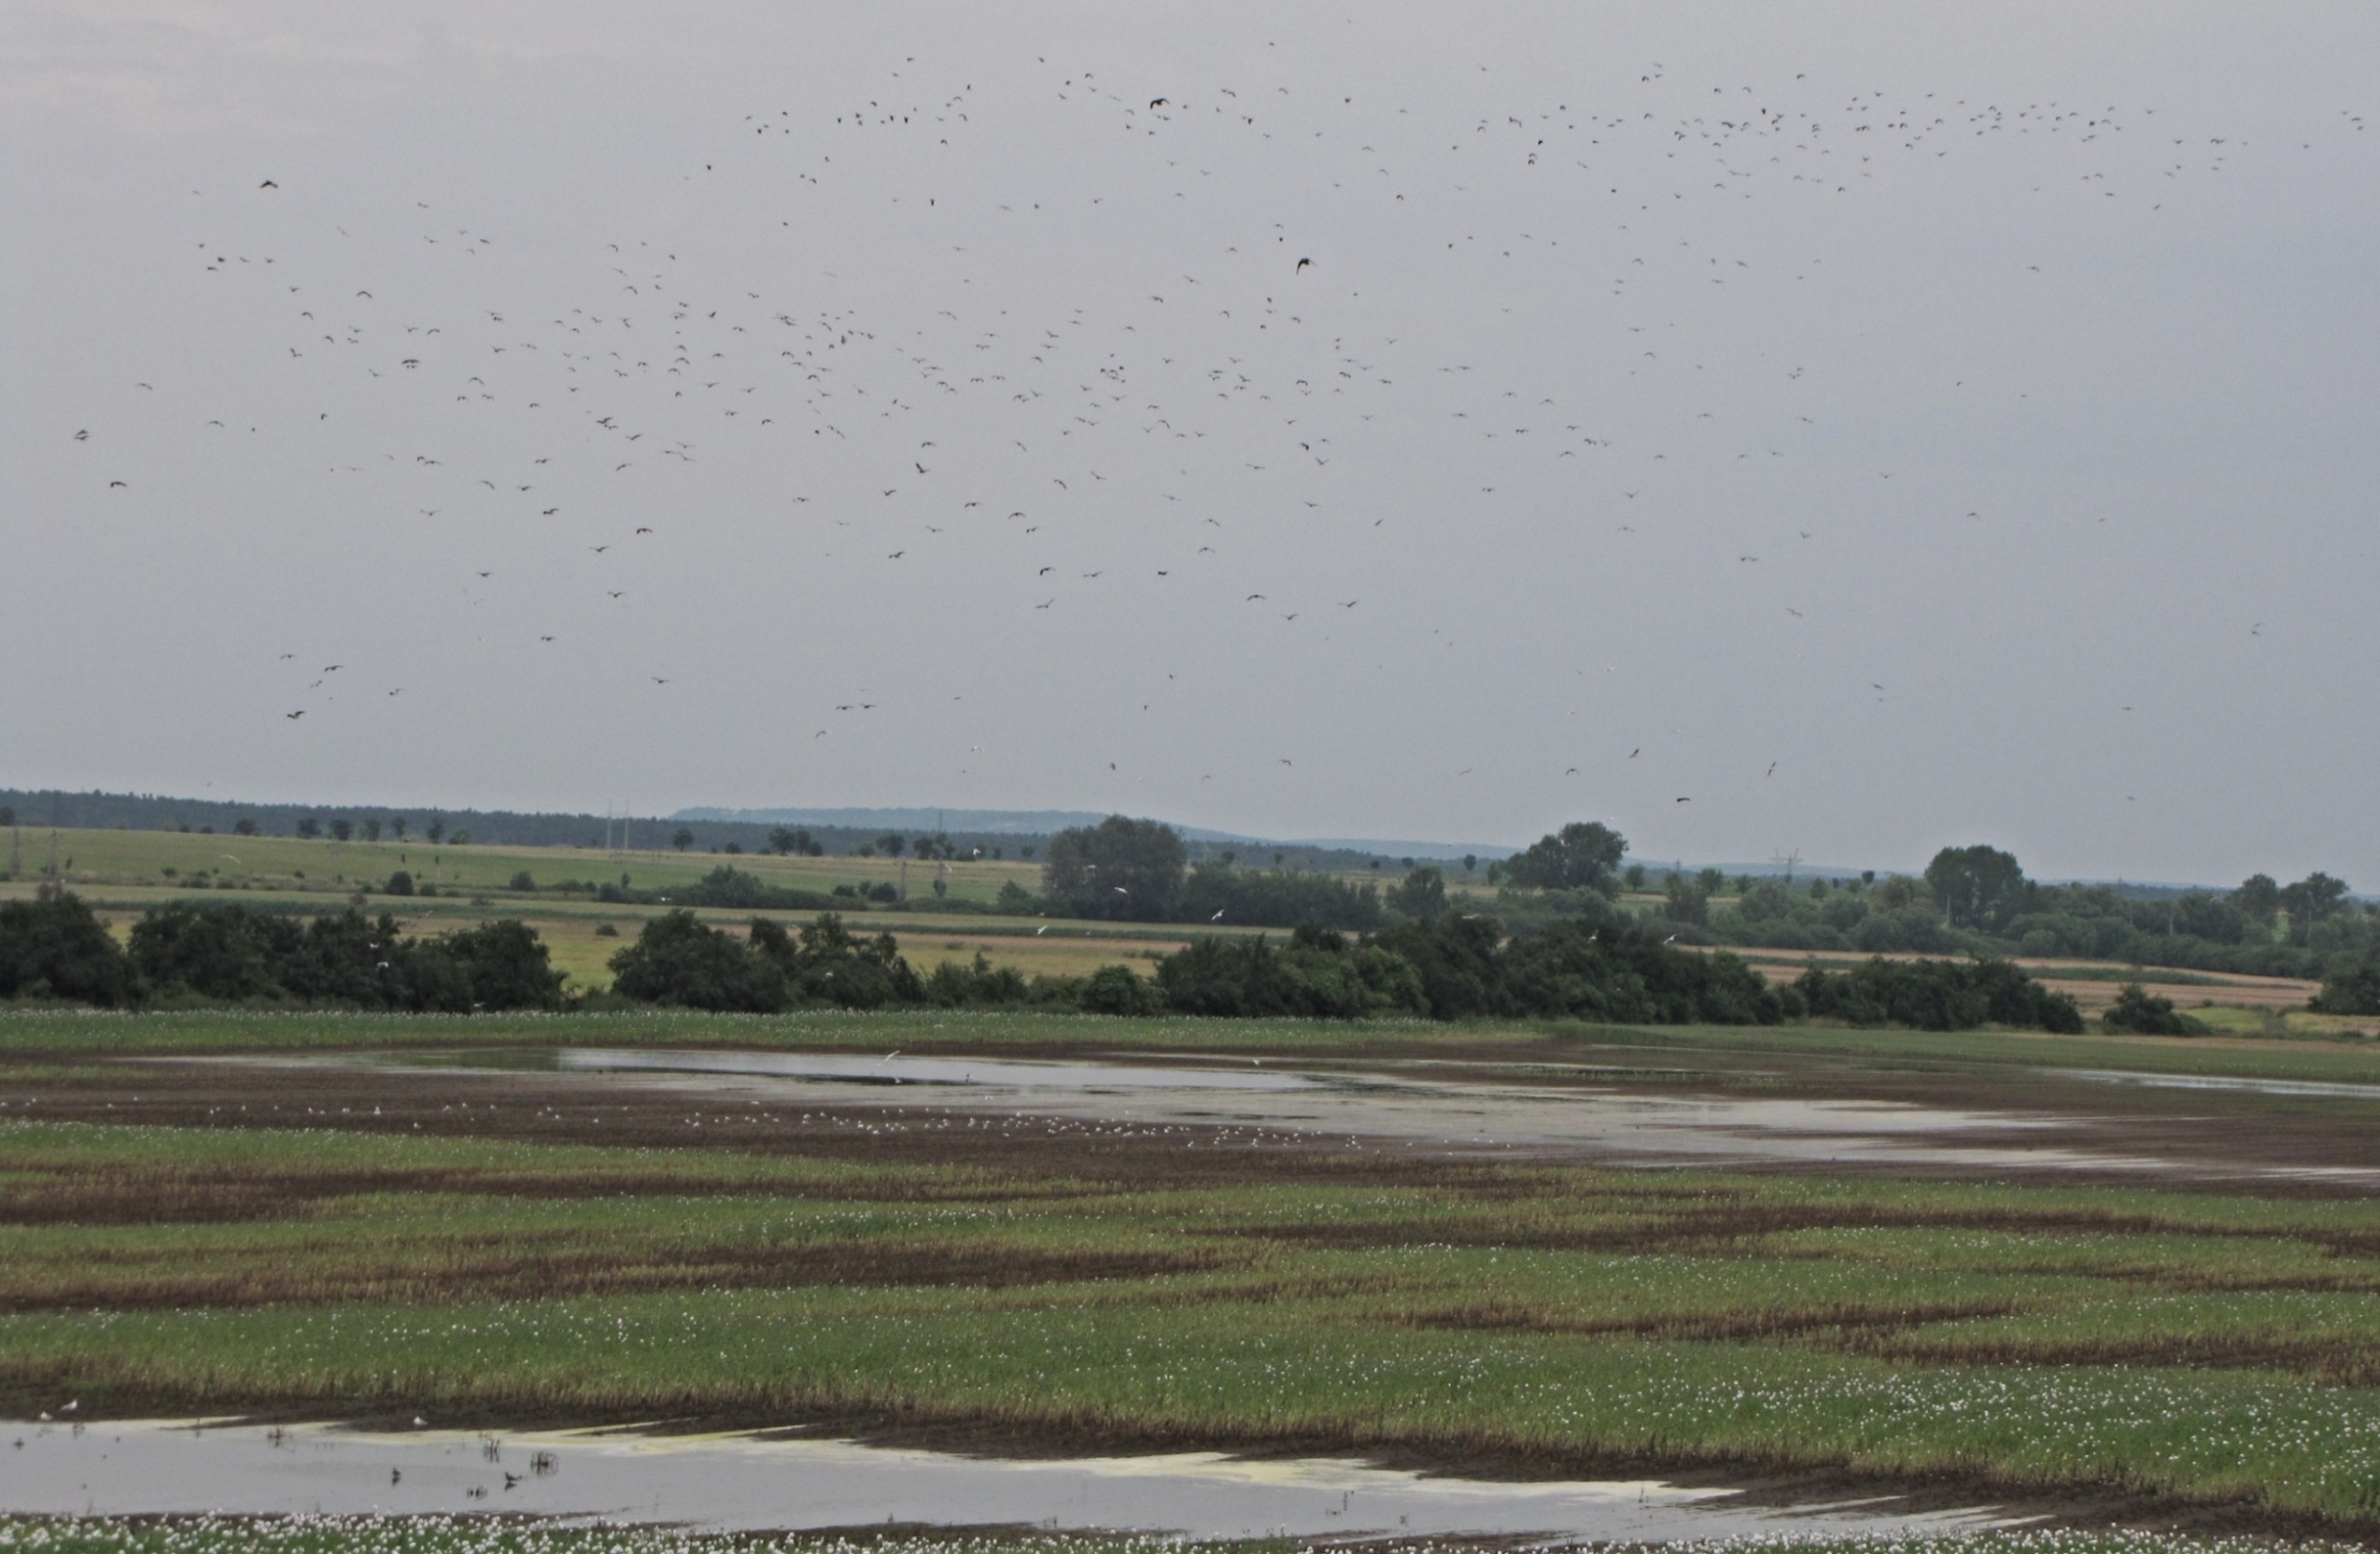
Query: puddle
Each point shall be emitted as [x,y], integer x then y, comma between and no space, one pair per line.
[1602,1121]
[2221,1081]
[1004,1073]
[746,1483]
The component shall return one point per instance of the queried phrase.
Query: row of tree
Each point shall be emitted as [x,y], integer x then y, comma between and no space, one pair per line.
[235,954]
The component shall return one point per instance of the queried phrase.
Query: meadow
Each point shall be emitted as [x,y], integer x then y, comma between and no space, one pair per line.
[495,1247]
[320,1535]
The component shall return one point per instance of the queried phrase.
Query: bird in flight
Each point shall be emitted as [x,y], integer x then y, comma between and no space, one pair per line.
[294,716]
[1302,264]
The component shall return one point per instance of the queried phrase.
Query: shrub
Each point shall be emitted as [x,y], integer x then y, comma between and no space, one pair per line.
[2138,1013]
[400,883]
[1936,995]
[57,948]
[2353,989]
[521,881]
[1121,990]
[678,959]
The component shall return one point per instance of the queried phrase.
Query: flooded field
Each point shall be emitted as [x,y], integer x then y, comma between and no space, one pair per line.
[753,1483]
[1650,1125]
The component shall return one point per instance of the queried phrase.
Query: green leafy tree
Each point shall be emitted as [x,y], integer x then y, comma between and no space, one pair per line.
[1976,886]
[1633,877]
[246,827]
[400,883]
[1685,900]
[2260,897]
[437,832]
[2351,989]
[397,827]
[1422,893]
[1119,868]
[682,838]
[343,830]
[890,844]
[58,949]
[678,959]
[1581,856]
[371,830]
[2139,1012]
[309,828]
[785,841]
[2312,899]
[1122,990]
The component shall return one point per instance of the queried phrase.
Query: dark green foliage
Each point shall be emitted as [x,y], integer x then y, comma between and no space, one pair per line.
[2352,989]
[1626,975]
[1217,892]
[400,883]
[1456,959]
[1121,990]
[1423,894]
[238,953]
[522,880]
[1685,900]
[1582,856]
[2138,1013]
[2260,897]
[1017,901]
[830,965]
[678,959]
[57,948]
[731,888]
[1935,995]
[1975,885]
[1119,869]
[954,986]
[1319,975]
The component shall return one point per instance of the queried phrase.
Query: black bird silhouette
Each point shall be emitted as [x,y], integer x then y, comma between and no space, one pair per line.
[294,716]
[1302,264]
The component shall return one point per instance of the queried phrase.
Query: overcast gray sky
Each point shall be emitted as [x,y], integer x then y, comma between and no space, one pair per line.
[1876,426]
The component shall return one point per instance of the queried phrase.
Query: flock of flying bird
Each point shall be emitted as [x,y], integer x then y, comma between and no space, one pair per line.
[963,425]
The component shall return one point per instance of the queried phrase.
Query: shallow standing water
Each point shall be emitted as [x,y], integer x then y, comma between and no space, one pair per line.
[749,1483]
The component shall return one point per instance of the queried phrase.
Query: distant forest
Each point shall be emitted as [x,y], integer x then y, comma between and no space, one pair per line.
[140,811]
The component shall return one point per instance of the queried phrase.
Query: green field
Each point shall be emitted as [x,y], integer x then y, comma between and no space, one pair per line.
[526,1254]
[494,1535]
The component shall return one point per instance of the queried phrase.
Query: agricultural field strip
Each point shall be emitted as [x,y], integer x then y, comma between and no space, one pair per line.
[483,1534]
[84,1034]
[2195,1343]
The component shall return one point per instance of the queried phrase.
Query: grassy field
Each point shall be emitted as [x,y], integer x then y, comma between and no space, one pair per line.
[319,1535]
[514,1253]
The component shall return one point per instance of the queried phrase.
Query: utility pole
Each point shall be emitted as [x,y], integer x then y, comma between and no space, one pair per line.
[1789,857]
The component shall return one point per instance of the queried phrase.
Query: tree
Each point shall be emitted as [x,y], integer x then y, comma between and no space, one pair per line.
[890,844]
[2312,899]
[1686,901]
[1975,885]
[343,830]
[437,832]
[57,948]
[1423,894]
[400,883]
[8,814]
[397,827]
[2353,989]
[245,828]
[682,838]
[1580,857]
[784,840]
[1470,862]
[309,828]
[2140,1012]
[2260,897]
[678,959]
[1121,867]
[1633,877]
[371,830]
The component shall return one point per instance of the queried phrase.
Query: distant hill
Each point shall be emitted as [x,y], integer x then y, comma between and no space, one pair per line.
[1042,822]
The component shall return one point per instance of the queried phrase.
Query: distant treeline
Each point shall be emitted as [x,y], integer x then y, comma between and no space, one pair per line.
[56,949]
[109,811]
[1447,967]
